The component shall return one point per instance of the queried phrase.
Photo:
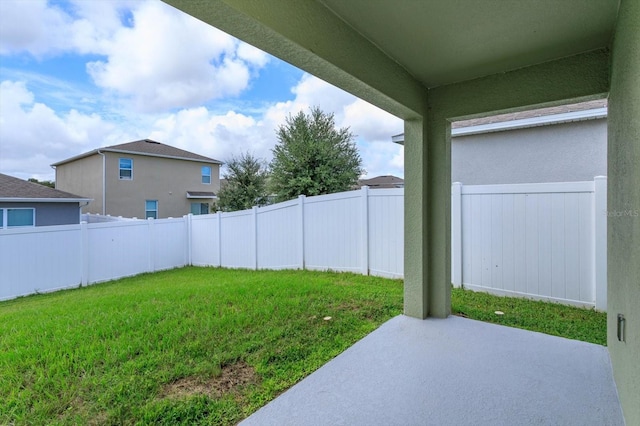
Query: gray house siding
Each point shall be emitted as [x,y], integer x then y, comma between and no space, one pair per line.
[565,152]
[49,214]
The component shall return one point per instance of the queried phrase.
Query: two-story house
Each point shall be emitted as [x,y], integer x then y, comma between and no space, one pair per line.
[141,179]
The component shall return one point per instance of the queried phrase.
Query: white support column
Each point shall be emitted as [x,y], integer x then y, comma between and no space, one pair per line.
[84,249]
[364,230]
[456,234]
[301,259]
[600,241]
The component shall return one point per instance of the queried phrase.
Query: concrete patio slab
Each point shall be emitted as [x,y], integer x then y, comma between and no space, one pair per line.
[454,371]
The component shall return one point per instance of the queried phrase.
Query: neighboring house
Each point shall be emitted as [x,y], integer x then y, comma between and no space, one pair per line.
[142,179]
[378,182]
[25,203]
[560,144]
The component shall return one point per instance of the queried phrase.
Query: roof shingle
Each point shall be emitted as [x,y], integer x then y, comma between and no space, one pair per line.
[12,187]
[146,147]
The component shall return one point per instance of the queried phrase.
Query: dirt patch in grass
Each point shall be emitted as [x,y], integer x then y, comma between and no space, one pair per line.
[231,379]
[80,407]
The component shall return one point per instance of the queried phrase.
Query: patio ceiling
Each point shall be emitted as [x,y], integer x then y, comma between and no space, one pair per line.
[412,45]
[446,41]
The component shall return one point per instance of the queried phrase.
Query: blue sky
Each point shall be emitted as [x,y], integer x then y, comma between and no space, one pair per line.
[79,75]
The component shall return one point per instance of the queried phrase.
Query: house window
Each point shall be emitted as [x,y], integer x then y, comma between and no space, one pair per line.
[206,174]
[12,218]
[151,209]
[199,208]
[126,168]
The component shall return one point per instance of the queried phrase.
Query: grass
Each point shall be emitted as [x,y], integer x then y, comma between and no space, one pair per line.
[551,318]
[207,346]
[191,345]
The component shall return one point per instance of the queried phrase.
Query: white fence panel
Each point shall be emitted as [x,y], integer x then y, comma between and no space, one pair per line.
[386,232]
[118,249]
[237,239]
[169,243]
[539,240]
[332,232]
[279,236]
[205,240]
[39,260]
[536,240]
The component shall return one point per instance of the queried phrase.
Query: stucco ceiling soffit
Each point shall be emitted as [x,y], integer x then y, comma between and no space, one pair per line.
[388,52]
[443,42]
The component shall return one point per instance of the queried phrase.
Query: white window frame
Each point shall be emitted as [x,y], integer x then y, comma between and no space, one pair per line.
[120,169]
[4,213]
[146,211]
[203,175]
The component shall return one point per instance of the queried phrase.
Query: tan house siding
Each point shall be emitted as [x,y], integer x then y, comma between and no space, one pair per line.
[83,177]
[162,179]
[157,175]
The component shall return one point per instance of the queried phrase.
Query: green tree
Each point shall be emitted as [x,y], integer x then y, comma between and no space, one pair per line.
[312,157]
[246,184]
[49,183]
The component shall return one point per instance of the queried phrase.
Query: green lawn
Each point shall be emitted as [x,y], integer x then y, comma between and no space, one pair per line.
[550,318]
[205,345]
[191,345]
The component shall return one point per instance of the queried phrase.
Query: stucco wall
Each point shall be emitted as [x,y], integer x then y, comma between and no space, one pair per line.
[83,177]
[154,178]
[623,204]
[49,214]
[566,152]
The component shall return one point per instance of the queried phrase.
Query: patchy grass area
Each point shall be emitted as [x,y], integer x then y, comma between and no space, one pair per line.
[550,318]
[190,346]
[205,345]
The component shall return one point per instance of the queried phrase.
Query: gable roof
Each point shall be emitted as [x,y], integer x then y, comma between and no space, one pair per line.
[560,110]
[14,189]
[146,147]
[582,111]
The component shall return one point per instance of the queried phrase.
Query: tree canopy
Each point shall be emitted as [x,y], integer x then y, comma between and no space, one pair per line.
[246,184]
[312,157]
[48,183]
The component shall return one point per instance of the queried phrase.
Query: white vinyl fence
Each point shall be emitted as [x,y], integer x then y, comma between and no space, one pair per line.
[539,240]
[358,231]
[544,240]
[50,258]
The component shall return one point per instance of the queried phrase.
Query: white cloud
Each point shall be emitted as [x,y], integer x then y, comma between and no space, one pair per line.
[43,29]
[148,52]
[32,135]
[224,135]
[149,58]
[219,136]
[158,65]
[34,27]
